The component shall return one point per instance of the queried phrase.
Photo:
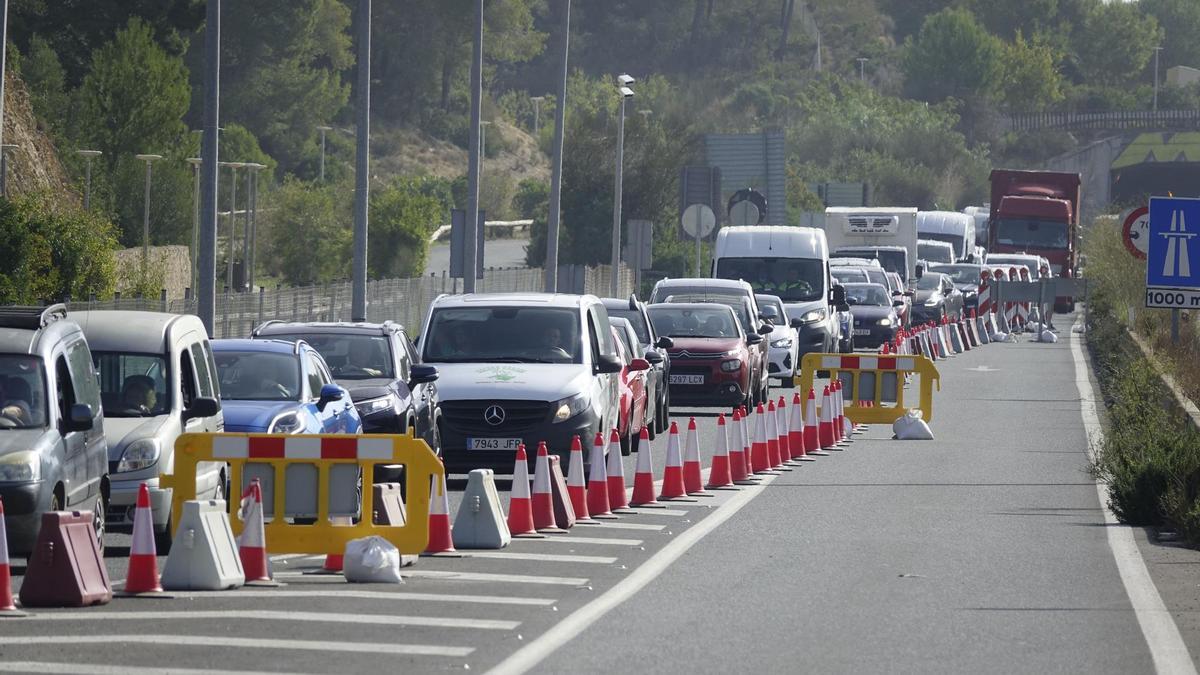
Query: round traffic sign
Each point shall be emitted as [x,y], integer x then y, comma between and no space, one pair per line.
[698,220]
[1135,232]
[744,213]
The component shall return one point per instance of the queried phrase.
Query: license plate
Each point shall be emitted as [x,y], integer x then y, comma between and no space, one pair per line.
[862,331]
[493,443]
[687,379]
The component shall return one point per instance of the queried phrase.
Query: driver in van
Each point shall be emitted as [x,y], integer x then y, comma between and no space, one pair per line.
[12,405]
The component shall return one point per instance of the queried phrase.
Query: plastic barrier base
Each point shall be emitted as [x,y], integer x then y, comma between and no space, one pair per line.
[480,523]
[66,568]
[564,511]
[204,555]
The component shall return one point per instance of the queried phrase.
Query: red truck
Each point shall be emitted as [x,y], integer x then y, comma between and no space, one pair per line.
[1037,212]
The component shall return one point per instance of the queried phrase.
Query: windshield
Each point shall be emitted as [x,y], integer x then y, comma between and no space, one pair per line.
[930,282]
[953,239]
[765,302]
[961,274]
[350,356]
[867,294]
[792,279]
[848,276]
[1030,233]
[258,376]
[893,260]
[132,385]
[934,253]
[738,303]
[22,392]
[503,335]
[704,322]
[635,319]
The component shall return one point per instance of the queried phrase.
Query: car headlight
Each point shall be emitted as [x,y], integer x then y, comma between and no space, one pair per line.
[375,405]
[731,365]
[782,343]
[886,321]
[139,455]
[287,423]
[813,315]
[567,408]
[931,303]
[20,466]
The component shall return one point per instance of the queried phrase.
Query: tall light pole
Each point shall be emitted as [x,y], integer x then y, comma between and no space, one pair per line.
[3,66]
[474,148]
[249,241]
[1157,51]
[206,273]
[229,246]
[537,109]
[195,162]
[87,156]
[623,82]
[4,148]
[323,130]
[862,68]
[560,112]
[362,165]
[149,160]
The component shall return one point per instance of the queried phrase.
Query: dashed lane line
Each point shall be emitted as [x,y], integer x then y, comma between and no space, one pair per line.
[602,541]
[671,513]
[495,578]
[541,557]
[96,669]
[367,595]
[613,525]
[267,615]
[225,642]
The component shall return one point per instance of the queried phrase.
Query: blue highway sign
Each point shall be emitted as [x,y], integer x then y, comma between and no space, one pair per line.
[1173,256]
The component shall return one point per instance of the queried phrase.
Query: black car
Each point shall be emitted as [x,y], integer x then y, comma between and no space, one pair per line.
[936,297]
[874,313]
[966,277]
[658,409]
[377,362]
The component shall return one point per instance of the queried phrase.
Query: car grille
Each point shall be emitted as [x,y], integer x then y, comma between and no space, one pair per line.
[468,416]
[685,354]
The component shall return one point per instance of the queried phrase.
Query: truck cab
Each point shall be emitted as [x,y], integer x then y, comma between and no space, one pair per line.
[1037,212]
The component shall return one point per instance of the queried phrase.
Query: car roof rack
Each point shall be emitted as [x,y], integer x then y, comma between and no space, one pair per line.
[259,327]
[31,318]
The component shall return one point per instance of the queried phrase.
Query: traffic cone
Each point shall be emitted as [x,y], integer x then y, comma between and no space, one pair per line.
[672,485]
[843,425]
[737,459]
[7,607]
[718,474]
[825,430]
[441,537]
[796,432]
[142,577]
[618,496]
[597,493]
[542,502]
[748,444]
[812,426]
[781,428]
[643,477]
[575,484]
[693,473]
[252,544]
[520,505]
[758,448]
[773,459]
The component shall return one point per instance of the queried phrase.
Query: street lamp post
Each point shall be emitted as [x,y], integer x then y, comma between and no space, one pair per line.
[195,162]
[4,148]
[862,68]
[474,154]
[229,246]
[537,109]
[560,108]
[149,160]
[1157,51]
[206,273]
[87,173]
[623,82]
[362,163]
[323,130]
[249,240]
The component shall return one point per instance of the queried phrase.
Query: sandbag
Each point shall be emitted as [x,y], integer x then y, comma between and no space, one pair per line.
[372,560]
[911,427]
[1048,336]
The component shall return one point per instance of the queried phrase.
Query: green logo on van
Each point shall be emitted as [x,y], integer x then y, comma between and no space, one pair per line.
[501,374]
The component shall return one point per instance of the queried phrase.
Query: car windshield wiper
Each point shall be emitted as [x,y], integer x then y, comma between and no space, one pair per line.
[518,359]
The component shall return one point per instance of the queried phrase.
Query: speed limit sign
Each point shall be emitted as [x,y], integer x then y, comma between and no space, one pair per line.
[1135,232]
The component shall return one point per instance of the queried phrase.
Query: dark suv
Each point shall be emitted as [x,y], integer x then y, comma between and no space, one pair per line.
[658,411]
[378,364]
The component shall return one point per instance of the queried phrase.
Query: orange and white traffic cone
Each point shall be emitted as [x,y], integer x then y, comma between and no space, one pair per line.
[618,496]
[844,426]
[718,475]
[542,501]
[826,430]
[773,458]
[812,427]
[142,577]
[575,484]
[441,540]
[643,476]
[781,428]
[737,459]
[672,485]
[693,472]
[7,607]
[758,448]
[597,492]
[796,432]
[252,543]
[520,504]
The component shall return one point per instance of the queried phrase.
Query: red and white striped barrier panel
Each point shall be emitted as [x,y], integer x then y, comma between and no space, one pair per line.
[985,291]
[1023,307]
[284,447]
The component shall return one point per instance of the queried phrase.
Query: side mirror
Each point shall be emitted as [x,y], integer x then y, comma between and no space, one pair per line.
[844,307]
[898,303]
[765,329]
[80,418]
[654,358]
[202,407]
[664,342]
[910,294]
[920,271]
[753,339]
[422,374]
[838,295]
[329,394]
[639,364]
[609,364]
[796,323]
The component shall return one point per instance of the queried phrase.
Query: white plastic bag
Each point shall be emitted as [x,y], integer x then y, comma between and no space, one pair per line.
[1048,336]
[911,427]
[999,337]
[372,560]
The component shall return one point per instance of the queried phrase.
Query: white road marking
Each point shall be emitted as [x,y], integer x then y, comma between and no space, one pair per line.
[613,525]
[562,633]
[289,556]
[226,642]
[95,669]
[367,595]
[542,557]
[1167,648]
[674,513]
[266,615]
[495,578]
[603,541]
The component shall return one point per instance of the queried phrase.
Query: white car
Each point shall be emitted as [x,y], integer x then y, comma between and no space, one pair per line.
[784,339]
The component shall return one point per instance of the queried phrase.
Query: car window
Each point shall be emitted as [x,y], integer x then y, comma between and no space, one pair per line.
[350,356]
[505,334]
[187,379]
[315,379]
[258,376]
[635,319]
[132,384]
[64,392]
[607,342]
[206,373]
[594,337]
[83,375]
[714,322]
[403,357]
[22,392]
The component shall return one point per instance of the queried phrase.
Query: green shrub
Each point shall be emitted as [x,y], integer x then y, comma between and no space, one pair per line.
[52,249]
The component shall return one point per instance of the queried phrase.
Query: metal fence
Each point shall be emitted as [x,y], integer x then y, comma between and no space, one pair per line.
[402,300]
[1108,121]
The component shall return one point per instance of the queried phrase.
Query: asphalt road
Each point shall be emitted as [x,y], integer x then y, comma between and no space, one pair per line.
[984,550]
[497,253]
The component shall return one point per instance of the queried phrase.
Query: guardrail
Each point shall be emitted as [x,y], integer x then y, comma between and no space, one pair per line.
[1116,120]
[511,225]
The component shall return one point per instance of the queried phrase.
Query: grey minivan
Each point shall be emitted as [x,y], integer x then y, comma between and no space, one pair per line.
[157,381]
[53,455]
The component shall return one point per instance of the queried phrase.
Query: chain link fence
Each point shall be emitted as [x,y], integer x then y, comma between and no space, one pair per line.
[405,301]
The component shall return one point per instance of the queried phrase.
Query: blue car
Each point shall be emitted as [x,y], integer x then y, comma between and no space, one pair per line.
[281,387]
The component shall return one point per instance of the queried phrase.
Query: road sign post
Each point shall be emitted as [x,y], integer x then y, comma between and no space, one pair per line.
[1172,281]
[698,221]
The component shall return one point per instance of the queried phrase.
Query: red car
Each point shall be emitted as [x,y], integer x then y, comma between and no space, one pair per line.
[711,361]
[633,385]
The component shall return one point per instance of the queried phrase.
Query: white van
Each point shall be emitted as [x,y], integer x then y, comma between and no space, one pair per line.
[853,230]
[792,263]
[956,229]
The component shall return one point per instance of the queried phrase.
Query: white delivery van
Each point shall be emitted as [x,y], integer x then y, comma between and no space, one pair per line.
[951,227]
[980,215]
[853,229]
[792,263]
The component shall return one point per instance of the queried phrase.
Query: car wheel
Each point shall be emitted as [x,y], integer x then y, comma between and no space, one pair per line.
[100,520]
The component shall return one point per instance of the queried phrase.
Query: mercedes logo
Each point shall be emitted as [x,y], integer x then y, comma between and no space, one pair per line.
[494,415]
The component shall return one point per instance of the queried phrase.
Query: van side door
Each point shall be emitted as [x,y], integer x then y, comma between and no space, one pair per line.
[601,342]
[86,451]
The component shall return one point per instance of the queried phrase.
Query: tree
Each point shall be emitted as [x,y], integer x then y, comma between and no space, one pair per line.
[308,232]
[952,56]
[1180,20]
[1030,80]
[1115,43]
[402,219]
[51,250]
[1007,18]
[46,80]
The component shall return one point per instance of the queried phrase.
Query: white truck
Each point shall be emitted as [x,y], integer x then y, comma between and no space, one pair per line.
[888,234]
